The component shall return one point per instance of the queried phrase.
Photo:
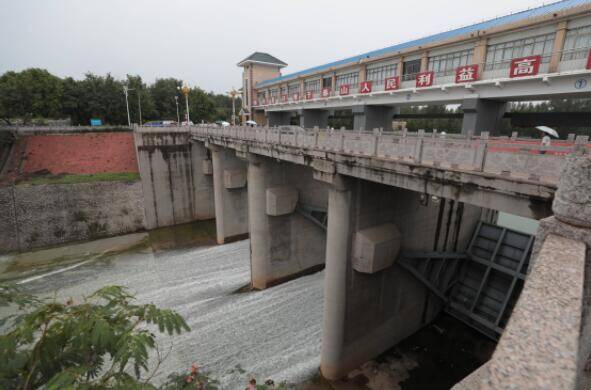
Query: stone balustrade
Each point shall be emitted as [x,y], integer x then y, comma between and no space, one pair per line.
[523,159]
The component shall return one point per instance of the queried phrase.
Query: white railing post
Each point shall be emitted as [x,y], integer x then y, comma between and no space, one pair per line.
[419,146]
[480,156]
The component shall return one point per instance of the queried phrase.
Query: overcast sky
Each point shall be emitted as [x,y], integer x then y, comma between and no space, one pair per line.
[202,40]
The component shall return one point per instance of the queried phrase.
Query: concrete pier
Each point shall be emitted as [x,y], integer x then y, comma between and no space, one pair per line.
[368,312]
[229,184]
[284,243]
[482,115]
[372,117]
[312,118]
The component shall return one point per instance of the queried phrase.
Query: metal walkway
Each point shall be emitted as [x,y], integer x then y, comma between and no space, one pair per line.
[479,287]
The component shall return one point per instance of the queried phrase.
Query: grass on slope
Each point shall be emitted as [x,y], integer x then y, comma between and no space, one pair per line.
[75,179]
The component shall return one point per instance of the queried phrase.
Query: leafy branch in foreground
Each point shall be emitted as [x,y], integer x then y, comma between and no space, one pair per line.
[92,344]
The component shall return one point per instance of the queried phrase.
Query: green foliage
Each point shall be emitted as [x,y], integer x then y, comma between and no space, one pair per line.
[102,342]
[35,93]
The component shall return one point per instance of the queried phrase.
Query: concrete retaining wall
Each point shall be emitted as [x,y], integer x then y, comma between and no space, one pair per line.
[43,215]
[175,188]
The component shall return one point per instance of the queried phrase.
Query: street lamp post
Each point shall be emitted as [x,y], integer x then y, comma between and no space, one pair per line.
[185,90]
[233,93]
[178,117]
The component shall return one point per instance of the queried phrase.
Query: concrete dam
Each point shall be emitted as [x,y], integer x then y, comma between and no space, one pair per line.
[404,225]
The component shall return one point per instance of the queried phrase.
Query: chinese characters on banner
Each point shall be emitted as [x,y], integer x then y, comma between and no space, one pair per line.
[527,66]
[365,87]
[295,97]
[273,100]
[325,92]
[467,73]
[425,79]
[344,89]
[589,60]
[309,95]
[255,102]
[392,83]
[284,98]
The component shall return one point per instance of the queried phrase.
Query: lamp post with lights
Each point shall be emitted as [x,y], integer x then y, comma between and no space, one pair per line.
[185,90]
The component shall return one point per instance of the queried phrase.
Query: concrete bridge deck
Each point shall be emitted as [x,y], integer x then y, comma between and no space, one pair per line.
[513,175]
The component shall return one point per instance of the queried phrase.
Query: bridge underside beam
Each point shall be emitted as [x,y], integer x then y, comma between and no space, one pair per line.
[370,309]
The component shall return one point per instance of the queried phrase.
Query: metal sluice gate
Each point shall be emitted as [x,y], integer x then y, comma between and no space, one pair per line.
[479,286]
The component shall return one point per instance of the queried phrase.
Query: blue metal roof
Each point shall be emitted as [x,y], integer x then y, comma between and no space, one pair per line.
[516,17]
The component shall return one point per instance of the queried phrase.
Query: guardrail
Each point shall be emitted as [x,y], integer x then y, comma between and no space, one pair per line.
[517,158]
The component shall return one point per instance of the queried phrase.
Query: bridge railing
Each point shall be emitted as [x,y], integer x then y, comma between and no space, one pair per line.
[519,158]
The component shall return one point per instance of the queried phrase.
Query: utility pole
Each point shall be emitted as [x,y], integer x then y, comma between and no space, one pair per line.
[178,117]
[126,91]
[139,103]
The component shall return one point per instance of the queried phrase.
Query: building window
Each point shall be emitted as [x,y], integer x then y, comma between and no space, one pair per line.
[327,82]
[260,97]
[274,93]
[312,85]
[283,91]
[245,93]
[378,74]
[446,64]
[499,56]
[348,79]
[410,69]
[293,88]
[577,44]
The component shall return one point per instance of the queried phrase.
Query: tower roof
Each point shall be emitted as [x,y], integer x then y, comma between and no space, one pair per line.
[262,58]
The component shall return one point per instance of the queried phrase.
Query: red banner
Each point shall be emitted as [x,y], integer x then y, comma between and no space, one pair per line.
[526,66]
[392,83]
[344,89]
[309,95]
[264,101]
[325,92]
[467,73]
[255,102]
[425,79]
[365,87]
[284,98]
[295,97]
[589,60]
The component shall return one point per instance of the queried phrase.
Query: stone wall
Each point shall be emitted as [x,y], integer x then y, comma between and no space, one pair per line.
[34,216]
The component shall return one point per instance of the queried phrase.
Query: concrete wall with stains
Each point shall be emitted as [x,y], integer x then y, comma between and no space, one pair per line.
[175,188]
[35,216]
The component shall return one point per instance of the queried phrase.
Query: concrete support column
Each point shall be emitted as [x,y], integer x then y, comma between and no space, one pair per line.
[371,117]
[558,46]
[479,57]
[335,280]
[278,118]
[362,71]
[312,118]
[204,204]
[229,185]
[425,61]
[260,250]
[482,115]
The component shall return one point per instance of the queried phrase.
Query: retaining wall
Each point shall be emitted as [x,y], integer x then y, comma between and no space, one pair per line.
[34,216]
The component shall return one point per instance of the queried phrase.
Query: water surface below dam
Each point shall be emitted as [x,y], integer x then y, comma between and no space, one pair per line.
[270,334]
[275,333]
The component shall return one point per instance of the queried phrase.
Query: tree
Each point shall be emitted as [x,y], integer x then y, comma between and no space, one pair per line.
[163,92]
[92,344]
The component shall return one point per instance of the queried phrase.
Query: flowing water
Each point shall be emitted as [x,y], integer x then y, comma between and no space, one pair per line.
[274,333]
